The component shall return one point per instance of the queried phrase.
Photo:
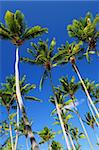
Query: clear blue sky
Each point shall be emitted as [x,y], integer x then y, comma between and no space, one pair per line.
[55,16]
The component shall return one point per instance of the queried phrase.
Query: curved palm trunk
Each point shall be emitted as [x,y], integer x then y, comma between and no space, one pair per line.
[34,145]
[93,115]
[60,117]
[17,134]
[82,124]
[86,91]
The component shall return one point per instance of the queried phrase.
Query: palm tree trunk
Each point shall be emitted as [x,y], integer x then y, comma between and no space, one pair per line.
[71,140]
[93,115]
[60,117]
[34,145]
[11,136]
[10,130]
[17,134]
[27,146]
[86,91]
[82,124]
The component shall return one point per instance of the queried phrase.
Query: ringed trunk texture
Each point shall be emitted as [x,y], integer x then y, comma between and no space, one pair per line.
[60,117]
[30,134]
[86,91]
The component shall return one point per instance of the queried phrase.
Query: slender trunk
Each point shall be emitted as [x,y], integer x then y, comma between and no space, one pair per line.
[93,115]
[60,117]
[17,134]
[71,140]
[11,136]
[82,124]
[97,138]
[86,91]
[27,146]
[34,145]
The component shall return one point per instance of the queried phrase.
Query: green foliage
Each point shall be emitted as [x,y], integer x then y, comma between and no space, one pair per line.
[15,28]
[42,54]
[46,135]
[56,146]
[90,120]
[8,91]
[66,52]
[84,29]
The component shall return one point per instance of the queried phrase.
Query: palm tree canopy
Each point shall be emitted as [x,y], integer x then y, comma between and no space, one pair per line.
[85,28]
[90,120]
[42,54]
[67,52]
[16,30]
[46,135]
[76,134]
[8,91]
[56,146]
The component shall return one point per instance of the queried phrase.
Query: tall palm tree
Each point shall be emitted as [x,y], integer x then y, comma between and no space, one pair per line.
[9,98]
[43,55]
[17,32]
[67,53]
[69,89]
[65,115]
[46,135]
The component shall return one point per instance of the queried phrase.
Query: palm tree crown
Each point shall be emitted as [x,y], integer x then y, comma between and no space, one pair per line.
[15,28]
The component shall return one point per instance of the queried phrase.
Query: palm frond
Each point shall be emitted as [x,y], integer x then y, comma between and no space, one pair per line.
[34,32]
[31,98]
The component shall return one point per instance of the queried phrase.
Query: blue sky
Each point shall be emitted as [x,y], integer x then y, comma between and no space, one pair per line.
[55,16]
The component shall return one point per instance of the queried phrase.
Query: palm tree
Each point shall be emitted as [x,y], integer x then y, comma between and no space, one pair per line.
[93,91]
[46,135]
[69,89]
[42,54]
[65,115]
[17,32]
[9,98]
[76,136]
[56,146]
[67,53]
[85,29]
[90,121]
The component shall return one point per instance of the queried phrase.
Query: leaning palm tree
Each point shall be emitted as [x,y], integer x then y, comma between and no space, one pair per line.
[46,135]
[17,32]
[69,88]
[43,55]
[8,99]
[68,53]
